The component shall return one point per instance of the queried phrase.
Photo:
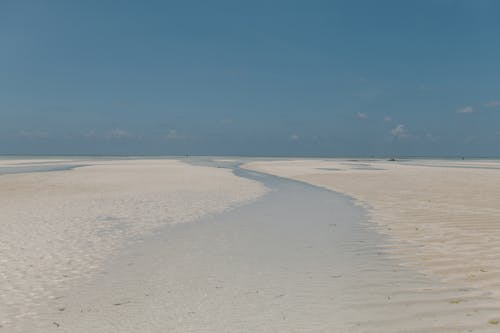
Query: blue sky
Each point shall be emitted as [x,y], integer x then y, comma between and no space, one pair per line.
[302,78]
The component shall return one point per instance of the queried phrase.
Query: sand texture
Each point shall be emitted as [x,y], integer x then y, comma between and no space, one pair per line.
[441,218]
[298,259]
[102,248]
[59,228]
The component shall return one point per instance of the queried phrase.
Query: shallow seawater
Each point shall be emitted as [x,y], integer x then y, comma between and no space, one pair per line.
[35,168]
[299,259]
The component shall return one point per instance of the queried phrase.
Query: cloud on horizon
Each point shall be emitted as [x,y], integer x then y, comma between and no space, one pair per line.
[118,133]
[492,104]
[361,115]
[400,132]
[466,109]
[33,134]
[174,135]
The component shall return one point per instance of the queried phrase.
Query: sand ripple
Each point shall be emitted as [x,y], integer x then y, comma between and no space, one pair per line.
[440,218]
[57,228]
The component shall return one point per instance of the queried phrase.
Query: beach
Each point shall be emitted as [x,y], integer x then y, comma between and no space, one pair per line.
[274,245]
[249,166]
[441,217]
[58,228]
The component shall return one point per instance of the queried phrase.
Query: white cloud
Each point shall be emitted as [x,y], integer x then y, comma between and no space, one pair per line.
[174,135]
[33,134]
[294,137]
[492,104]
[431,137]
[361,115]
[400,132]
[467,109]
[90,134]
[118,133]
[387,119]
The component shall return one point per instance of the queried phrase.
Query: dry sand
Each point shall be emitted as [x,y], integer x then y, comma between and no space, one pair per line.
[297,260]
[58,228]
[442,218]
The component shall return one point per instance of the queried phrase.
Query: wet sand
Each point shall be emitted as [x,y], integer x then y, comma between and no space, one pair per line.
[440,218]
[299,258]
[57,229]
[292,261]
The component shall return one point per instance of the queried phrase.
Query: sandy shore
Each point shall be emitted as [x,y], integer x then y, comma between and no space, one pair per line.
[298,259]
[58,228]
[103,247]
[442,218]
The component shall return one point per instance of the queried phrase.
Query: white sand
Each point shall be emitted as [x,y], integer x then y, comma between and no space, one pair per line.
[60,233]
[442,216]
[57,228]
[301,260]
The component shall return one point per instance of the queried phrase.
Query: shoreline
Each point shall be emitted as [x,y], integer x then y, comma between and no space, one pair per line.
[58,228]
[300,257]
[437,218]
[211,263]
[316,268]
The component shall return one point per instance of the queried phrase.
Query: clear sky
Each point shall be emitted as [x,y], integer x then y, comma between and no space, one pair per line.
[331,78]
